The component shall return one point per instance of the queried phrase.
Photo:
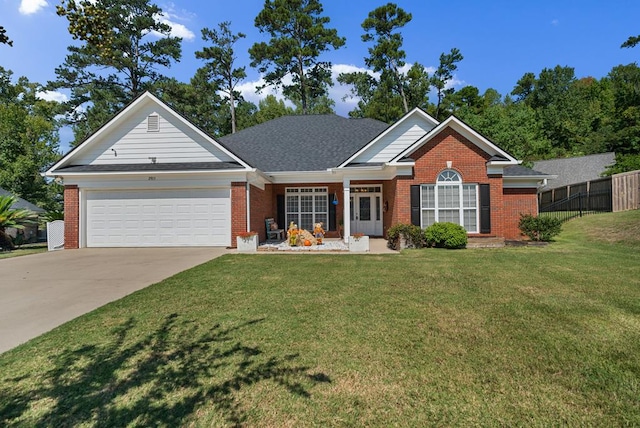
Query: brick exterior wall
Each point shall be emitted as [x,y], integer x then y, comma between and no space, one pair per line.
[516,202]
[71,217]
[238,209]
[430,160]
[262,205]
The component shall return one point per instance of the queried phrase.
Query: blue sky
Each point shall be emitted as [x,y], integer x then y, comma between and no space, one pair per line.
[500,40]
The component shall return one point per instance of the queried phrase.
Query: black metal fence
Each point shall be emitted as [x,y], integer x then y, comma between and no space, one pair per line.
[577,200]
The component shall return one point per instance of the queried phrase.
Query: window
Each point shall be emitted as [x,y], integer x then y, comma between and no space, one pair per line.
[306,206]
[450,200]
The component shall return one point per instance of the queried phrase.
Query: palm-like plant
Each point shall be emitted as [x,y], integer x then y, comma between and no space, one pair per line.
[10,217]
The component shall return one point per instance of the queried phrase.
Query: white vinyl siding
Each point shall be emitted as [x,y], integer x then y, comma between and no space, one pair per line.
[396,141]
[133,143]
[306,206]
[158,218]
[449,200]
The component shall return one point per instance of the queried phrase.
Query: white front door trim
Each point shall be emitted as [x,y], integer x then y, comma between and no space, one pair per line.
[365,206]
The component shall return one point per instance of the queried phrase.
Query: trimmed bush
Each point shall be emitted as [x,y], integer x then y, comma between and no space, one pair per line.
[412,235]
[539,228]
[446,235]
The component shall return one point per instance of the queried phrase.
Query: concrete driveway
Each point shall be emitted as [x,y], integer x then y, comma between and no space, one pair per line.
[42,291]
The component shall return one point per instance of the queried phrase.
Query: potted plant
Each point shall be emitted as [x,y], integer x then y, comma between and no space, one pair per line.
[359,242]
[247,242]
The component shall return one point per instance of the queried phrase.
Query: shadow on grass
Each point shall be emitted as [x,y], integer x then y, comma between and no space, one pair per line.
[161,379]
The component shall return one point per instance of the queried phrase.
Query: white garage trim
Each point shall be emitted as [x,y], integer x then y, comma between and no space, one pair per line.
[156,217]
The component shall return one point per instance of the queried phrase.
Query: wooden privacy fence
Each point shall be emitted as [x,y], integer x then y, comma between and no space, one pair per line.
[626,191]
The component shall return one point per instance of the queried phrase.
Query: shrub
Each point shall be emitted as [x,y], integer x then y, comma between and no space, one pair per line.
[446,235]
[412,234]
[539,228]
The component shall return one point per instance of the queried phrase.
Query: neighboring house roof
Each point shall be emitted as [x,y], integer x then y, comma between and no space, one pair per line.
[21,203]
[575,170]
[522,171]
[302,143]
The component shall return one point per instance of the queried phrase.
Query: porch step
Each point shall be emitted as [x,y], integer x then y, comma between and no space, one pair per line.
[489,242]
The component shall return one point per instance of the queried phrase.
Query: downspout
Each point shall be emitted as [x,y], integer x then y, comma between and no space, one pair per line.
[247,186]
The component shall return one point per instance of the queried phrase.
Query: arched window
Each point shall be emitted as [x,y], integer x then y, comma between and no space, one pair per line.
[449,199]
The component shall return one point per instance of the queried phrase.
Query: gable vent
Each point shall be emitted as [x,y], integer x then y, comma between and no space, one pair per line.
[153,123]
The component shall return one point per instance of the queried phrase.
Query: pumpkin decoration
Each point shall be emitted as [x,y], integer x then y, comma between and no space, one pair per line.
[307,243]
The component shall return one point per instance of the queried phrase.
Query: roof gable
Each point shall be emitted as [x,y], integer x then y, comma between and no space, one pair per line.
[395,139]
[498,155]
[147,131]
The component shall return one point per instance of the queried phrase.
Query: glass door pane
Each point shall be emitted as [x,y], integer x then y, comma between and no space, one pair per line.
[365,208]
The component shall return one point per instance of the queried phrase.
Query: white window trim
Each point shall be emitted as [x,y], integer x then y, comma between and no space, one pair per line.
[461,209]
[315,191]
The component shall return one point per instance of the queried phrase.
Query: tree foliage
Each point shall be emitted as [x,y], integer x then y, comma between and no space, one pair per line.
[631,42]
[386,92]
[28,140]
[4,38]
[123,45]
[387,56]
[271,108]
[220,67]
[443,75]
[298,39]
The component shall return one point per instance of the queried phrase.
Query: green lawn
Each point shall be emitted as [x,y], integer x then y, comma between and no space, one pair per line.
[529,336]
[24,250]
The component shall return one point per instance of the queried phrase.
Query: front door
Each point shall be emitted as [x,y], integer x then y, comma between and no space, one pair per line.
[366,213]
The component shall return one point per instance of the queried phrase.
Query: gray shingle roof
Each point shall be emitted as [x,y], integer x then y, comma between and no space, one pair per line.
[191,166]
[520,171]
[576,169]
[302,143]
[21,203]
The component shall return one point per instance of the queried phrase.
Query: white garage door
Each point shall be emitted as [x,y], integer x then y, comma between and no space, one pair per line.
[158,218]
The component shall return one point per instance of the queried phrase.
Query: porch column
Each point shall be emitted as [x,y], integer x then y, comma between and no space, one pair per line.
[346,211]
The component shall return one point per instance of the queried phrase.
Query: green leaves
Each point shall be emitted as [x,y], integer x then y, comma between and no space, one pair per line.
[28,138]
[4,38]
[298,39]
[219,68]
[117,59]
[16,218]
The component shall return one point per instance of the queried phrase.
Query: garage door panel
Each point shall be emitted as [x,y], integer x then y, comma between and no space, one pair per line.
[158,218]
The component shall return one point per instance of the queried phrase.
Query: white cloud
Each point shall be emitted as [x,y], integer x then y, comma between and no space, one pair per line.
[29,7]
[52,96]
[555,22]
[177,30]
[340,93]
[248,90]
[454,82]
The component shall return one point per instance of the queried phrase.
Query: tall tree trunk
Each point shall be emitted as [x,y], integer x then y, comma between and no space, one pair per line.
[400,88]
[303,89]
[233,112]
